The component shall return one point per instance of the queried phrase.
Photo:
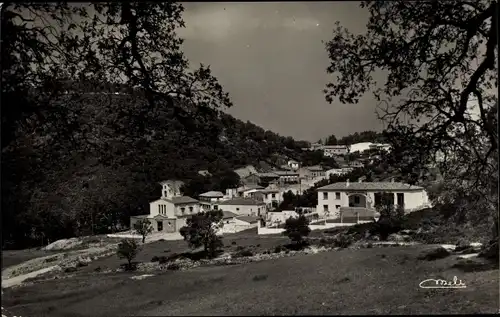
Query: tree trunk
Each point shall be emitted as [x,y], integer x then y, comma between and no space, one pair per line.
[143,239]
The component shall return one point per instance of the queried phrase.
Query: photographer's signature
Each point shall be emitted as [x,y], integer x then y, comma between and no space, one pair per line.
[439,283]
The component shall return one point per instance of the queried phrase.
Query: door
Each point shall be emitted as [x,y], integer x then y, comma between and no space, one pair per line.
[160,225]
[401,199]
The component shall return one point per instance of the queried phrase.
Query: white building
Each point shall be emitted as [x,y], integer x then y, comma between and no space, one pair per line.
[294,165]
[244,207]
[360,198]
[210,200]
[338,171]
[334,150]
[170,212]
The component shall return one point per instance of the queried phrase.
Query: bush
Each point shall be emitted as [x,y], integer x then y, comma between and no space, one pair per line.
[162,260]
[173,267]
[143,227]
[279,248]
[155,259]
[127,249]
[297,228]
[243,253]
[344,241]
[391,218]
[201,230]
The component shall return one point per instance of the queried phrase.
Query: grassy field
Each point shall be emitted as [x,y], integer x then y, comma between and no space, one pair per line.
[366,281]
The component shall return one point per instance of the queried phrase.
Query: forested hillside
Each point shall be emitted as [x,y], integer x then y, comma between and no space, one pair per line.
[53,189]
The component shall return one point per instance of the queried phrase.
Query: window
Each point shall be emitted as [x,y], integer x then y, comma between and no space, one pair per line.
[159,209]
[401,199]
[356,199]
[191,209]
[237,209]
[325,207]
[273,195]
[183,209]
[337,196]
[337,206]
[216,207]
[325,196]
[165,193]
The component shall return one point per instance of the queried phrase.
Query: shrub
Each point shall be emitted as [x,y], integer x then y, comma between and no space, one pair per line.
[278,249]
[201,230]
[173,267]
[243,253]
[127,249]
[155,259]
[162,259]
[143,227]
[297,228]
[344,241]
[391,218]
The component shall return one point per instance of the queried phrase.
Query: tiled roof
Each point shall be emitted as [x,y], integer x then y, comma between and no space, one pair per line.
[285,173]
[228,214]
[249,219]
[241,202]
[369,186]
[269,190]
[249,187]
[314,168]
[181,200]
[212,194]
[268,174]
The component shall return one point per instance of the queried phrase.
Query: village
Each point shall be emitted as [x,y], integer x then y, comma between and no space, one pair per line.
[253,205]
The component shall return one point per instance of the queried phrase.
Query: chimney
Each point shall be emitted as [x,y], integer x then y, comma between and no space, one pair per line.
[347,183]
[392,180]
[360,180]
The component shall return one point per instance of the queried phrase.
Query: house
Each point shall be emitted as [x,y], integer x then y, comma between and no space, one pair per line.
[245,171]
[360,198]
[356,164]
[316,171]
[338,171]
[252,179]
[271,197]
[294,165]
[232,222]
[170,212]
[210,199]
[244,206]
[334,150]
[246,190]
[267,177]
[286,177]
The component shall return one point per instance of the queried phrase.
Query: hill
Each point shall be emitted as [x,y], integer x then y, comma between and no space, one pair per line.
[106,169]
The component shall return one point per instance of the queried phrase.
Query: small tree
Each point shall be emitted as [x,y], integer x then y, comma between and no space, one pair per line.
[201,230]
[391,217]
[127,249]
[143,227]
[297,228]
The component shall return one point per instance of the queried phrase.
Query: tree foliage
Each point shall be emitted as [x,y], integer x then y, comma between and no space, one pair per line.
[127,249]
[439,58]
[201,230]
[143,227]
[296,228]
[98,105]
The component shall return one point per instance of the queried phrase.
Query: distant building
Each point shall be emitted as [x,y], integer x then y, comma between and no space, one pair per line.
[245,171]
[334,150]
[244,207]
[294,165]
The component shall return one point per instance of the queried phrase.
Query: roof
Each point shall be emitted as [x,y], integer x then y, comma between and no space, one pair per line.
[269,190]
[245,171]
[227,214]
[140,216]
[178,200]
[249,187]
[314,168]
[285,173]
[370,186]
[268,174]
[335,146]
[212,194]
[241,202]
[249,219]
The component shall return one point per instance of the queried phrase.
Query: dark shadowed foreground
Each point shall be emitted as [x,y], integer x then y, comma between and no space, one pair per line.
[366,281]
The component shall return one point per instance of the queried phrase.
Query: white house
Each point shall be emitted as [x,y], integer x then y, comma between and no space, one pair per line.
[360,198]
[334,150]
[338,171]
[244,206]
[170,212]
[247,190]
[210,199]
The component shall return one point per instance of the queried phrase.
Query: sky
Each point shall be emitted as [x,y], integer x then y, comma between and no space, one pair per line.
[270,58]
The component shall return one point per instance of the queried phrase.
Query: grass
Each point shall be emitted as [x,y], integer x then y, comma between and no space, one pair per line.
[366,281]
